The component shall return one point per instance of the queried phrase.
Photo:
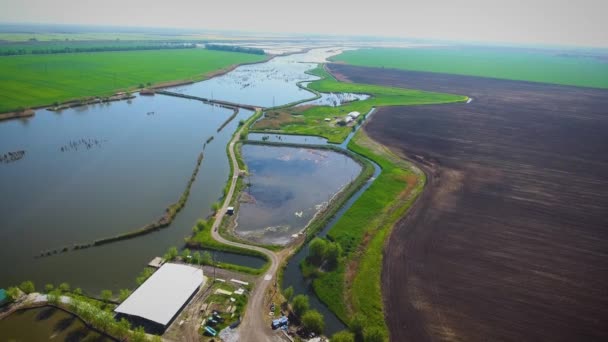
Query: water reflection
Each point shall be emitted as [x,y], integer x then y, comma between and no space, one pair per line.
[288,186]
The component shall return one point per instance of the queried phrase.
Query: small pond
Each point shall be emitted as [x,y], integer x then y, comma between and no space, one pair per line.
[289,186]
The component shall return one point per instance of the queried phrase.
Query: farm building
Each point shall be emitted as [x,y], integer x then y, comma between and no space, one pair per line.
[156,303]
[354,115]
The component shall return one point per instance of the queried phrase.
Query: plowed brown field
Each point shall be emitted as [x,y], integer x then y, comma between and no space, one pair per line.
[509,241]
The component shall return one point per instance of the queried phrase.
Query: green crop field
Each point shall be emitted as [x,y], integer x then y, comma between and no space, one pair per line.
[568,67]
[36,80]
[310,121]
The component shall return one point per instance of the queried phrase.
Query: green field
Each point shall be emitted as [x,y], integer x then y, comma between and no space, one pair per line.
[310,121]
[568,67]
[36,80]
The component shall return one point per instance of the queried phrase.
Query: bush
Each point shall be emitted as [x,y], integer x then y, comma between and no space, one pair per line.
[313,321]
[197,258]
[300,305]
[106,295]
[374,334]
[48,288]
[13,293]
[27,287]
[357,324]
[206,258]
[186,255]
[288,293]
[144,275]
[123,294]
[343,336]
[171,254]
[64,287]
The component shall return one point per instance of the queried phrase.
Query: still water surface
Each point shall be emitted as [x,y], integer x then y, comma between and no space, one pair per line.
[289,186]
[46,324]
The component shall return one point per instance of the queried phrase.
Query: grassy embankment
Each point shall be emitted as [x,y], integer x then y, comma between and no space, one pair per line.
[202,237]
[37,80]
[586,68]
[354,285]
[310,120]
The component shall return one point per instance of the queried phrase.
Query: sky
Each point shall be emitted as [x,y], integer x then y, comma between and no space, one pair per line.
[554,22]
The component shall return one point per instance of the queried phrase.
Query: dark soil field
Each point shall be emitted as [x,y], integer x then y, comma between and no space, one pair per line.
[509,241]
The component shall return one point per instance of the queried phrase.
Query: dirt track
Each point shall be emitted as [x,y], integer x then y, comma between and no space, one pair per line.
[509,241]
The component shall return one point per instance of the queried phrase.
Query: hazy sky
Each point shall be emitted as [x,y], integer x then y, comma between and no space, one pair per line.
[577,22]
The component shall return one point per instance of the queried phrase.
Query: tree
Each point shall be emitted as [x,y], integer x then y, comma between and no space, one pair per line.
[357,324]
[48,288]
[103,320]
[186,255]
[122,328]
[343,336]
[313,321]
[333,254]
[317,250]
[64,287]
[373,334]
[139,335]
[27,287]
[288,293]
[13,293]
[106,295]
[196,258]
[206,258]
[144,275]
[300,305]
[171,254]
[123,294]
[77,291]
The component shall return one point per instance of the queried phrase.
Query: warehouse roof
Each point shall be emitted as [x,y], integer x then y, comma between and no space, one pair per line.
[163,294]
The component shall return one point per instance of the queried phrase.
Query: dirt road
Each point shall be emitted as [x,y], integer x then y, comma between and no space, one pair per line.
[509,241]
[252,328]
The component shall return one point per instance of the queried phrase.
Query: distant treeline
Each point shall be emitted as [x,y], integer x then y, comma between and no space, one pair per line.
[234,48]
[44,51]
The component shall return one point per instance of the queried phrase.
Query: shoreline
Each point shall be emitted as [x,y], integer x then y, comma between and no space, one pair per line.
[31,111]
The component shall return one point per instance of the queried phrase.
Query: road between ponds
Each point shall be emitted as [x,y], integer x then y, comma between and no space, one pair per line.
[253,322]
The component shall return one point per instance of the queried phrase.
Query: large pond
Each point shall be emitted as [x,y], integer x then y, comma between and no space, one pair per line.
[100,170]
[288,186]
[46,324]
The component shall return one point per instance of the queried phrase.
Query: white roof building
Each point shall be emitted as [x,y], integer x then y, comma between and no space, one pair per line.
[354,115]
[163,295]
[348,119]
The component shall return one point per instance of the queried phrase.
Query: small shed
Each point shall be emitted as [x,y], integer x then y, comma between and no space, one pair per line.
[354,115]
[348,120]
[230,211]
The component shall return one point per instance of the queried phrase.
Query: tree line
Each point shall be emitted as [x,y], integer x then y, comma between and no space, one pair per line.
[235,48]
[67,49]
